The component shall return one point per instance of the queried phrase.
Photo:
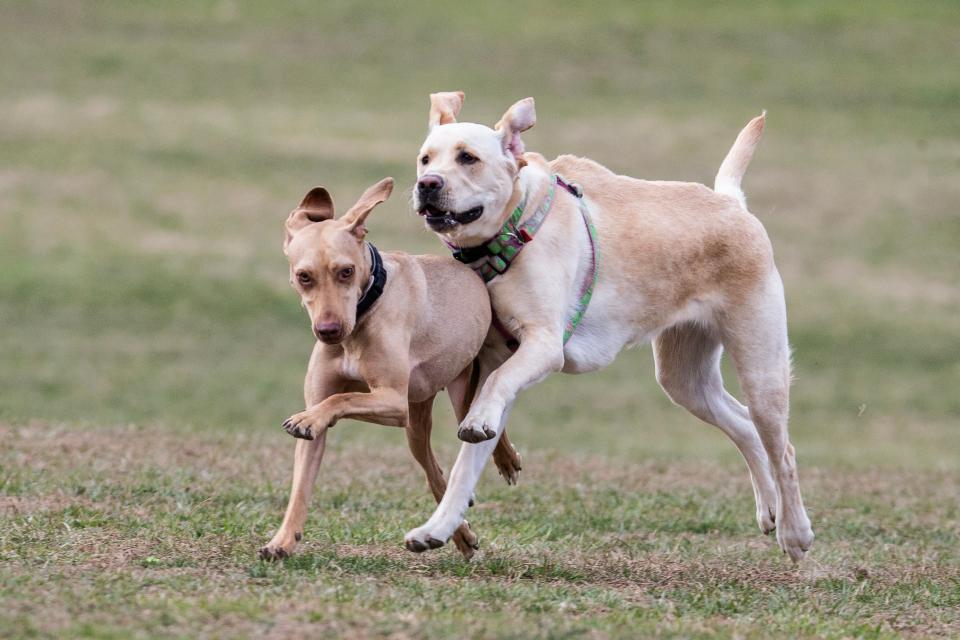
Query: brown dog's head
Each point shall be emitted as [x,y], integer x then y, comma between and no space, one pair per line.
[466,172]
[329,262]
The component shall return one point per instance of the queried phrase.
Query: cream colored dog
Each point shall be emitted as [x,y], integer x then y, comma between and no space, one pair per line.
[680,264]
[392,331]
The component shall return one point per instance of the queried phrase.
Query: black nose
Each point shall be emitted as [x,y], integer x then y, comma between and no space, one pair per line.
[429,184]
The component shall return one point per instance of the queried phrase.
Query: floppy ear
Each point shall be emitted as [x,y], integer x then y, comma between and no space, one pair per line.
[316,206]
[444,107]
[356,217]
[518,118]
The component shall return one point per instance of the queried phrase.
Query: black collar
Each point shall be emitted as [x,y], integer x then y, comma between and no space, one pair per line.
[378,280]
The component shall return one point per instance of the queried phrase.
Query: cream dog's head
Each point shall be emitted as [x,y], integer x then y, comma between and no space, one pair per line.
[466,173]
[329,265]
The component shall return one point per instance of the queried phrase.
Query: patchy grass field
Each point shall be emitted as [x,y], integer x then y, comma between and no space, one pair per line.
[111,530]
[150,346]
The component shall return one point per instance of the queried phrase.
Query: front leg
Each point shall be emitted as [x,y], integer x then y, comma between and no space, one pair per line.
[384,405]
[463,480]
[540,354]
[306,464]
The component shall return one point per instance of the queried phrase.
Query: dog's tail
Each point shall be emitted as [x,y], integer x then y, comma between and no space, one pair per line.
[735,164]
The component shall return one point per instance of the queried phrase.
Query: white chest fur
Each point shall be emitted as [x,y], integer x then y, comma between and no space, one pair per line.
[349,366]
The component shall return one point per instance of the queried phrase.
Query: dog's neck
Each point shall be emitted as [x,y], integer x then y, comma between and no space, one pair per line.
[533,184]
[375,283]
[530,187]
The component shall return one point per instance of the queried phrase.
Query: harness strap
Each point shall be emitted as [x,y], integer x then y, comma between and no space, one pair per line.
[586,289]
[378,280]
[495,256]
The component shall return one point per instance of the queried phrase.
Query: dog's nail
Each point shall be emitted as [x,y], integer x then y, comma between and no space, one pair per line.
[298,536]
[490,433]
[266,553]
[434,543]
[470,503]
[416,546]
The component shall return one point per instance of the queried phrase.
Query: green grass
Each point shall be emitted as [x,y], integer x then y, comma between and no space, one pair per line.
[154,532]
[150,347]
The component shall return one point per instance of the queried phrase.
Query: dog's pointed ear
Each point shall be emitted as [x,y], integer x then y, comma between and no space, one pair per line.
[316,206]
[356,217]
[518,118]
[444,107]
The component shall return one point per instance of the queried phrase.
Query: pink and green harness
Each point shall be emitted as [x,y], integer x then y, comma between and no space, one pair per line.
[495,256]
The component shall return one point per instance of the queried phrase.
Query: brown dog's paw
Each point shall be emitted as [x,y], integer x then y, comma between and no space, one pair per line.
[272,554]
[299,426]
[508,461]
[466,541]
[280,547]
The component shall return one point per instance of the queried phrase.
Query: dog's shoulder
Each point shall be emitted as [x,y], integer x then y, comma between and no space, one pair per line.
[576,165]
[444,269]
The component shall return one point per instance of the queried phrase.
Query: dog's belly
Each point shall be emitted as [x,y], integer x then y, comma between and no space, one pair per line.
[427,379]
[606,331]
[594,347]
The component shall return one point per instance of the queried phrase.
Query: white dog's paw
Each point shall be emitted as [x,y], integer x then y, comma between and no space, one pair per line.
[767,518]
[479,426]
[795,540]
[423,539]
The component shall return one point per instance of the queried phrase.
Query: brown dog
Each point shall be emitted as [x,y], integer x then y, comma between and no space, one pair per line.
[392,331]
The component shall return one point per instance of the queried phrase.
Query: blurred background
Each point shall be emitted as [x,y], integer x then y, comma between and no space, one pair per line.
[149,153]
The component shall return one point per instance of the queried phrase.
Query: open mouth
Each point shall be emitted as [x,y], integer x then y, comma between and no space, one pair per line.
[439,220]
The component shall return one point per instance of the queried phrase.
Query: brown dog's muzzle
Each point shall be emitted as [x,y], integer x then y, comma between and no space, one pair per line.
[328,332]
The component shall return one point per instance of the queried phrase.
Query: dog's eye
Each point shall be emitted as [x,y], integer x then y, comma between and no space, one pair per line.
[346,273]
[467,158]
[304,278]
[425,160]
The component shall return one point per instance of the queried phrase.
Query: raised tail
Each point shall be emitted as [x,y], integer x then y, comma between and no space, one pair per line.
[735,164]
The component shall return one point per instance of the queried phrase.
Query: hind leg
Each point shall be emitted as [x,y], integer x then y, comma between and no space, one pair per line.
[688,368]
[418,438]
[755,333]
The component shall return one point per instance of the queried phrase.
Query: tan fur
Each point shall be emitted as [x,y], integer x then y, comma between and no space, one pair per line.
[680,239]
[680,264]
[444,107]
[420,337]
